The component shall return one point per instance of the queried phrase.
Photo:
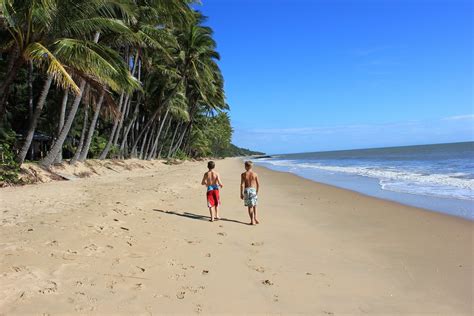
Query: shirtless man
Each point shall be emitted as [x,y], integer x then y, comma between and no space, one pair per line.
[212,181]
[249,190]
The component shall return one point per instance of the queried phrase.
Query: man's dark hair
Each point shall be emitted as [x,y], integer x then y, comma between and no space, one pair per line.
[211,165]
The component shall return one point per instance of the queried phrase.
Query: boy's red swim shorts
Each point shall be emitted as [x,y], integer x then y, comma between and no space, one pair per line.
[213,198]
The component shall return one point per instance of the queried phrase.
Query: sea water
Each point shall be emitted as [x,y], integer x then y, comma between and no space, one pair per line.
[437,177]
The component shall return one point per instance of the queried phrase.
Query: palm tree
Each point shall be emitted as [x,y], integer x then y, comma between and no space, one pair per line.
[60,56]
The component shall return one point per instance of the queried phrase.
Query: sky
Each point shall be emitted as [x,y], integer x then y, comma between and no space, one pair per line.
[316,75]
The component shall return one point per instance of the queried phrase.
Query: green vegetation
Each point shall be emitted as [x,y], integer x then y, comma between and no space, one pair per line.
[109,79]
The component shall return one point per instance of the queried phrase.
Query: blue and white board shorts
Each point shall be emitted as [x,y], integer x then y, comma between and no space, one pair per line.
[250,197]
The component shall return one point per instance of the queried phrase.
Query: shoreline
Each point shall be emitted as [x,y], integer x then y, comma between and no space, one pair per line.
[425,209]
[140,242]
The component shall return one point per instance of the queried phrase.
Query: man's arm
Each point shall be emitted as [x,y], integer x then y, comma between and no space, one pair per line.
[256,181]
[242,185]
[204,178]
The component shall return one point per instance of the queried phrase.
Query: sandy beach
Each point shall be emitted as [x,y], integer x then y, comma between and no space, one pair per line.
[139,242]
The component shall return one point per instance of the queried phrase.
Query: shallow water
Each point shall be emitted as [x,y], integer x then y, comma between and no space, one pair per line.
[437,177]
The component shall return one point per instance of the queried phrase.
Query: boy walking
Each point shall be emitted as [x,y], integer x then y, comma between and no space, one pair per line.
[212,180]
[249,190]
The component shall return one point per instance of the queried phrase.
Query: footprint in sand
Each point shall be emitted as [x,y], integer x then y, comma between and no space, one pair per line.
[91,247]
[222,234]
[51,287]
[258,243]
[260,269]
[198,309]
[267,282]
[138,286]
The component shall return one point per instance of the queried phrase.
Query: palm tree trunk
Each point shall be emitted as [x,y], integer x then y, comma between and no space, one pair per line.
[90,134]
[30,91]
[172,139]
[164,136]
[126,104]
[146,142]
[62,116]
[58,145]
[128,128]
[83,134]
[153,116]
[155,143]
[106,150]
[34,120]
[5,85]
[180,141]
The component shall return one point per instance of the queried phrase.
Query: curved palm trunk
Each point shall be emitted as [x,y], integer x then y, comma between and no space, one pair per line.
[90,134]
[164,136]
[58,145]
[128,128]
[30,91]
[106,150]
[83,135]
[153,116]
[62,116]
[146,142]
[126,104]
[34,120]
[172,139]
[5,85]
[154,148]
[180,141]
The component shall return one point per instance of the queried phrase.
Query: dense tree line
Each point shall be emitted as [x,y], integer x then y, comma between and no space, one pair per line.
[109,79]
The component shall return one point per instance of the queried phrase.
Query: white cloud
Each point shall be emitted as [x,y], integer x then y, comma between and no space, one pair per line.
[459,117]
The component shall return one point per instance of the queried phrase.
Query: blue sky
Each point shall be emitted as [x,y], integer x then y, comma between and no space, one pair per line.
[311,75]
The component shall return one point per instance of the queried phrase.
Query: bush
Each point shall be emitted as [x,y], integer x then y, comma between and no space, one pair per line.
[9,168]
[181,155]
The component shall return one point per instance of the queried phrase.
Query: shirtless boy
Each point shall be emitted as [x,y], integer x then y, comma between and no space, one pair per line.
[249,190]
[212,181]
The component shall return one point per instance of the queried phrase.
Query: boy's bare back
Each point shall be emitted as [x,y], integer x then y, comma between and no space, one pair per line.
[249,178]
[211,178]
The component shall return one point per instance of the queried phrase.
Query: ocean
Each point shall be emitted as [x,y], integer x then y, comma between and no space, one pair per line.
[437,177]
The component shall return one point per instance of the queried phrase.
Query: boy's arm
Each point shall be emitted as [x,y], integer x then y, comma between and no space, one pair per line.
[219,182]
[242,185]
[256,181]
[203,182]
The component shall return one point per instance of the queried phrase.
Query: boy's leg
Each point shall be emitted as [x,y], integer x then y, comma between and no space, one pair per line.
[217,212]
[252,216]
[255,215]
[212,214]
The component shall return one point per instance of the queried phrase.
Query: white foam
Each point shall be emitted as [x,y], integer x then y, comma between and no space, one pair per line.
[444,185]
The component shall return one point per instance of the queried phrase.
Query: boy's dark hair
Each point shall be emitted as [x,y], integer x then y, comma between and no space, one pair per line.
[248,163]
[211,165]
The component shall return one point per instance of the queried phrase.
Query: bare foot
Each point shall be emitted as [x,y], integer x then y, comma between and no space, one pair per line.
[211,220]
[256,221]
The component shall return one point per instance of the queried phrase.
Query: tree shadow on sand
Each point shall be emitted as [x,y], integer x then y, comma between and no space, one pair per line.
[198,217]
